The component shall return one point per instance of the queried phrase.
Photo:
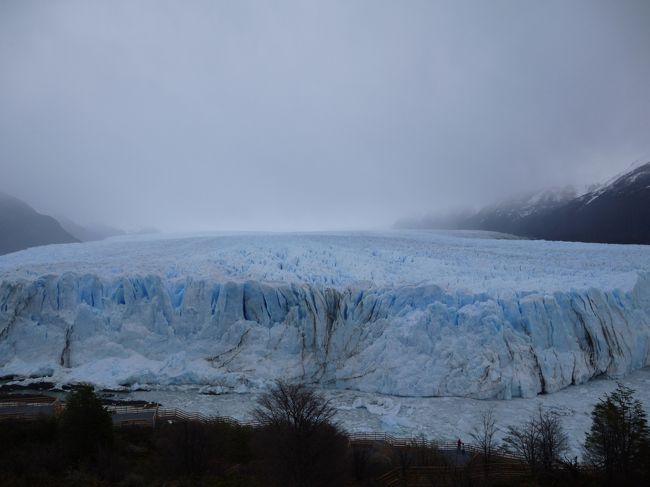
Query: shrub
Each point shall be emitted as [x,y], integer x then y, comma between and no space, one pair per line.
[86,427]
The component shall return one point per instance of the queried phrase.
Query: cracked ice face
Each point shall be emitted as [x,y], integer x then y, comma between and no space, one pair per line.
[408,313]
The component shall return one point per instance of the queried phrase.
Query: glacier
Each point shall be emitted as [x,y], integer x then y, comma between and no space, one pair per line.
[403,313]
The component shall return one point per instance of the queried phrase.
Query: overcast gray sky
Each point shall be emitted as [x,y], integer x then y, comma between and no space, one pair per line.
[276,115]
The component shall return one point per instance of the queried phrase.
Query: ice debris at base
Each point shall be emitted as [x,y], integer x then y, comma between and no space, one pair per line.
[434,418]
[401,313]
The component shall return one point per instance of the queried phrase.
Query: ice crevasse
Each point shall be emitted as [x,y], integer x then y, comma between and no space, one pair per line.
[401,339]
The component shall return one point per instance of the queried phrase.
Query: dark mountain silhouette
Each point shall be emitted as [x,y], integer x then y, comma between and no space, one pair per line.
[616,212]
[22,227]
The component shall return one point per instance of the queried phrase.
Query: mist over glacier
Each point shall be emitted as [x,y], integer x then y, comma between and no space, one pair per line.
[245,115]
[401,313]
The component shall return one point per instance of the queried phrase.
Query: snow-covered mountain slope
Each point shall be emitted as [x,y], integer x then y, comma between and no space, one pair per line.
[406,313]
[525,205]
[617,211]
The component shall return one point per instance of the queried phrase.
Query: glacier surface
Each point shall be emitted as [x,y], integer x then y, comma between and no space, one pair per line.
[400,313]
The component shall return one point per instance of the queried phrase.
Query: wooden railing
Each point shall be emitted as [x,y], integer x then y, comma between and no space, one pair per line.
[24,401]
[368,438]
[174,414]
[119,409]
[27,408]
[426,476]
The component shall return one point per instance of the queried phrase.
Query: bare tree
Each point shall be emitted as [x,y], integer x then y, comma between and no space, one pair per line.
[541,441]
[299,440]
[295,406]
[554,442]
[524,441]
[484,435]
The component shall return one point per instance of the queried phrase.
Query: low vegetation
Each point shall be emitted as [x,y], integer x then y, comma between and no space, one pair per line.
[297,443]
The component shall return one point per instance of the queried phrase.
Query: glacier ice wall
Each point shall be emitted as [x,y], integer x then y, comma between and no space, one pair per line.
[405,340]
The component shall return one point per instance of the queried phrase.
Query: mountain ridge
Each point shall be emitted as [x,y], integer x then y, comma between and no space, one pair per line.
[23,227]
[615,212]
